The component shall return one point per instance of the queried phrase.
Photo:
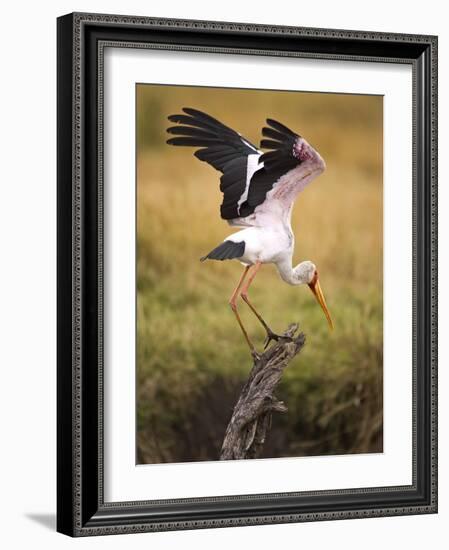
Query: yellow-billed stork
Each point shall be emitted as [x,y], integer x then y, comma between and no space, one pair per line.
[259,190]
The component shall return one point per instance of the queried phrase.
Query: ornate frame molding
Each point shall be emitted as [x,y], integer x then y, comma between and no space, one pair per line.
[81,41]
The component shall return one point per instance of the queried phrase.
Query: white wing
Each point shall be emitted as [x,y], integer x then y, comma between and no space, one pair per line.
[281,174]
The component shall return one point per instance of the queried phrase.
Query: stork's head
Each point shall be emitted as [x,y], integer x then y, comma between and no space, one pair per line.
[307,273]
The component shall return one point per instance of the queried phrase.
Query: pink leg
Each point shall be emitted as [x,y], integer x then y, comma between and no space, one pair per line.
[233,304]
[244,294]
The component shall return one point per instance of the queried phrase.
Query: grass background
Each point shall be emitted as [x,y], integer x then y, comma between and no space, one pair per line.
[191,357]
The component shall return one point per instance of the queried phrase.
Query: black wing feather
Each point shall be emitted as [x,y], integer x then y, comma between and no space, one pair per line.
[201,130]
[232,184]
[186,131]
[228,152]
[193,141]
[270,144]
[277,162]
[282,143]
[281,128]
[271,133]
[219,146]
[227,250]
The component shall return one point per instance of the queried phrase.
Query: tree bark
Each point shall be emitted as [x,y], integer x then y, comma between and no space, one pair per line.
[251,419]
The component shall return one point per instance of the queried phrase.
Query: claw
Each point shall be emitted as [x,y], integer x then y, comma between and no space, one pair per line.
[273,336]
[255,355]
[270,336]
[267,342]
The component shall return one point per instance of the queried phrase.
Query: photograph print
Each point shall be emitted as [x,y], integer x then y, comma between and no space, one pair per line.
[259,274]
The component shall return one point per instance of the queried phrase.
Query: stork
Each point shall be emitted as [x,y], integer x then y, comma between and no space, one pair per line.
[259,190]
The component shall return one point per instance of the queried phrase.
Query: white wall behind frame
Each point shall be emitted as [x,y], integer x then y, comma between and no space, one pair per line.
[27,236]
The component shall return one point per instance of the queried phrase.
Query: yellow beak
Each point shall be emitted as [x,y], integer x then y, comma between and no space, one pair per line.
[315,287]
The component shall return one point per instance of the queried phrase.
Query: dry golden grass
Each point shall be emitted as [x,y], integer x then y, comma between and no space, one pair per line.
[187,336]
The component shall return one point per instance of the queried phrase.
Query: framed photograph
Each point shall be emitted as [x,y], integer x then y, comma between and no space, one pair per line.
[247,276]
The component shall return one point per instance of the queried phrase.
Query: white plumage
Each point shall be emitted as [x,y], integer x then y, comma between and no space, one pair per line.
[259,190]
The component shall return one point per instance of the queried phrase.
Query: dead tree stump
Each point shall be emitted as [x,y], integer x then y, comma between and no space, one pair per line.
[251,417]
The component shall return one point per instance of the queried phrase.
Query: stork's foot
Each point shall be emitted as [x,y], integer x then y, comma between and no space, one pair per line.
[255,355]
[273,336]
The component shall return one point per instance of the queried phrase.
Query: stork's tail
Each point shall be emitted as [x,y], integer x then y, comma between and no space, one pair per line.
[227,250]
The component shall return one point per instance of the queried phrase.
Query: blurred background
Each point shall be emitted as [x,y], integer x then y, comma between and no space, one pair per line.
[191,357]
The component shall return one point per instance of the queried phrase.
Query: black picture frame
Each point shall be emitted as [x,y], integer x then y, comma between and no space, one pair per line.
[81,509]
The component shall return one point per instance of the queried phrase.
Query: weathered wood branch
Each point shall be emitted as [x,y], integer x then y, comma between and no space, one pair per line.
[251,418]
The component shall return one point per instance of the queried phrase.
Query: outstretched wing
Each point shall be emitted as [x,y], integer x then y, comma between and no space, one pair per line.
[290,164]
[224,149]
[282,142]
[280,160]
